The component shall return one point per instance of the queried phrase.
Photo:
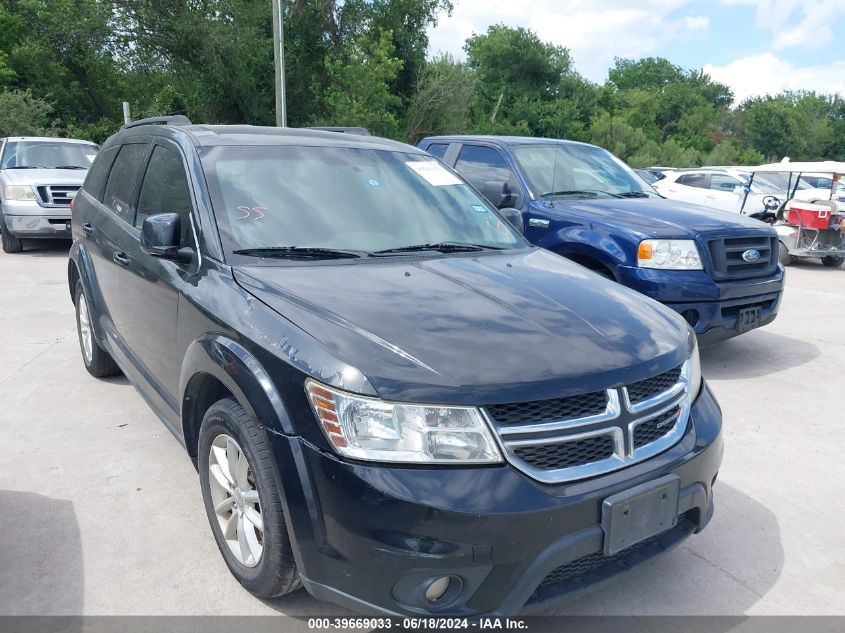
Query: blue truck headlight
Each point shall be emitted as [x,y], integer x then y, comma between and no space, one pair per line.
[371,429]
[668,255]
[18,192]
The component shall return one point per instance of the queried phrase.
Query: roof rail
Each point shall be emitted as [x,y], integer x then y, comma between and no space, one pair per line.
[176,119]
[360,131]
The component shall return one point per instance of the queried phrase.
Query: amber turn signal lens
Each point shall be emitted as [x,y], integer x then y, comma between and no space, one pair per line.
[644,251]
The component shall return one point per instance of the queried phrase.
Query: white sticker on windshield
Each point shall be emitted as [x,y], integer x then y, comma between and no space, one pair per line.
[434,173]
[90,157]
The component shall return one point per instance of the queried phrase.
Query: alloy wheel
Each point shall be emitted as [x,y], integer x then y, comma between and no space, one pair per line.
[86,335]
[235,498]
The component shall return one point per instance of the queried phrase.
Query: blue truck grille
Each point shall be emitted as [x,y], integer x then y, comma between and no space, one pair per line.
[726,256]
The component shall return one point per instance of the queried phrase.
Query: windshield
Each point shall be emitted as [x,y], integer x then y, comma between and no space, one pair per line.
[580,171]
[48,154]
[353,200]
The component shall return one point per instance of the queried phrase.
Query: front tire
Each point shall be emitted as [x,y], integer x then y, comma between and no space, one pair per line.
[97,361]
[11,243]
[833,261]
[240,490]
[783,254]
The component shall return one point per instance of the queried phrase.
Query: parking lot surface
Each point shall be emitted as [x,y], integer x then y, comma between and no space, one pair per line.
[102,513]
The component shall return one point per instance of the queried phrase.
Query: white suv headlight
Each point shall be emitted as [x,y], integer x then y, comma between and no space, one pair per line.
[668,255]
[371,429]
[18,192]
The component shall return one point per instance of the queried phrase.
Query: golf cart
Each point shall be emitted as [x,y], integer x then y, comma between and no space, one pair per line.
[808,225]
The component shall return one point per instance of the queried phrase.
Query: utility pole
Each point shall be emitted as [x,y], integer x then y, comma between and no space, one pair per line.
[126,118]
[279,59]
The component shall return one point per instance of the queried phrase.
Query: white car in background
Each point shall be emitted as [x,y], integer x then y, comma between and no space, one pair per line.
[720,188]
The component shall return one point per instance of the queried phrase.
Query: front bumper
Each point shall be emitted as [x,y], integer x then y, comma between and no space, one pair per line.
[710,307]
[54,225]
[372,537]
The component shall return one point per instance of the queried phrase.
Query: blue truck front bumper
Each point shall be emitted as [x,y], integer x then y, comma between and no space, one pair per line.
[711,308]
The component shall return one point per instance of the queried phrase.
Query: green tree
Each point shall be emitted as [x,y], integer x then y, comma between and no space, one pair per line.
[21,114]
[440,104]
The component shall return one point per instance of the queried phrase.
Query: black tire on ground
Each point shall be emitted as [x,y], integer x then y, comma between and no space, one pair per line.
[783,254]
[101,364]
[276,573]
[11,244]
[833,261]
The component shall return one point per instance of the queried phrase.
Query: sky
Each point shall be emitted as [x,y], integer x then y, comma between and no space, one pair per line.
[756,47]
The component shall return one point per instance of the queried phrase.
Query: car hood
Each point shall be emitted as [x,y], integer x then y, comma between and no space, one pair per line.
[515,326]
[659,217]
[44,176]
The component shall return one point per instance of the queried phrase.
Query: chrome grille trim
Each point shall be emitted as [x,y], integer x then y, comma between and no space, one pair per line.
[56,195]
[619,421]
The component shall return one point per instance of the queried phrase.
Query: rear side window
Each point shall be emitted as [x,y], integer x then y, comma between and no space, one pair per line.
[438,150]
[724,183]
[165,190]
[120,188]
[95,181]
[480,165]
[694,180]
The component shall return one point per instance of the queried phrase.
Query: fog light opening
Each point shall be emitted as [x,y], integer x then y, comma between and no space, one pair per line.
[437,588]
[691,317]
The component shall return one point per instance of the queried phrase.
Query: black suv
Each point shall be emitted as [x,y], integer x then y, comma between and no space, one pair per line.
[390,396]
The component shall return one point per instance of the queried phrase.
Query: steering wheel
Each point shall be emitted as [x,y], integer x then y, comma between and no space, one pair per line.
[771,203]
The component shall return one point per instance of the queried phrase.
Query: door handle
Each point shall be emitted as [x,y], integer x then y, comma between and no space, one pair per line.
[88,228]
[121,259]
[711,197]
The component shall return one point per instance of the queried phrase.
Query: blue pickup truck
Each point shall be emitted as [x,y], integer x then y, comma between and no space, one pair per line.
[718,270]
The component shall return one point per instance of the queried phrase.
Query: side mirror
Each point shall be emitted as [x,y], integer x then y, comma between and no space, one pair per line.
[160,236]
[499,194]
[514,218]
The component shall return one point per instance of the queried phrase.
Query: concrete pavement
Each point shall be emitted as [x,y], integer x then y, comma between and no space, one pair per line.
[102,514]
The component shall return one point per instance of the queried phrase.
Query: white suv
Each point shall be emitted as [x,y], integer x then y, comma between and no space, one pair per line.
[722,189]
[38,179]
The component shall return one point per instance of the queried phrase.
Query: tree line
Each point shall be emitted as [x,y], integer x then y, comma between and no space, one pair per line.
[67,65]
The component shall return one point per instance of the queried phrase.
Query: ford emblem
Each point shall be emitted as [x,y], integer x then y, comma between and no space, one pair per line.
[751,255]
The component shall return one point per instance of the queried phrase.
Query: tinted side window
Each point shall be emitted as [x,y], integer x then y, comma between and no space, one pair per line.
[438,150]
[120,188]
[95,181]
[484,164]
[694,180]
[165,190]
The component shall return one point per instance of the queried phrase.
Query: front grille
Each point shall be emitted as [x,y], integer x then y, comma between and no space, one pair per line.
[563,439]
[596,566]
[568,454]
[650,387]
[549,410]
[726,254]
[655,428]
[57,195]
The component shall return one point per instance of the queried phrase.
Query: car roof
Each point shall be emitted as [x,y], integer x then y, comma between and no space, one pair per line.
[504,140]
[49,139]
[216,135]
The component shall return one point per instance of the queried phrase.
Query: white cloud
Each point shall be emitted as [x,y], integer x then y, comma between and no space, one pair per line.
[595,36]
[796,22]
[763,74]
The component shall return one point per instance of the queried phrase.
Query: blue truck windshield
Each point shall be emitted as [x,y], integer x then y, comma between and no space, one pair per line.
[580,171]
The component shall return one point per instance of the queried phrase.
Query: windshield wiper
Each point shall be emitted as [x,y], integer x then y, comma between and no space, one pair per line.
[636,194]
[26,167]
[69,167]
[580,192]
[299,252]
[442,247]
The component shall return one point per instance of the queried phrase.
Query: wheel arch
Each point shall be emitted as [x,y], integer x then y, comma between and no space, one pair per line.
[217,367]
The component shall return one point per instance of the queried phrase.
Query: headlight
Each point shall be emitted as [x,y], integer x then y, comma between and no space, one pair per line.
[18,192]
[375,430]
[694,373]
[668,255]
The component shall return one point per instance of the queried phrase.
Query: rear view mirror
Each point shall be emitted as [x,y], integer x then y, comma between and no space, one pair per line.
[514,218]
[160,237]
[499,194]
